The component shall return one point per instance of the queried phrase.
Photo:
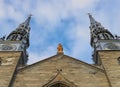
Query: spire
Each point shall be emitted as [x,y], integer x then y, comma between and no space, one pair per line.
[60,49]
[98,32]
[27,21]
[94,23]
[21,33]
[92,20]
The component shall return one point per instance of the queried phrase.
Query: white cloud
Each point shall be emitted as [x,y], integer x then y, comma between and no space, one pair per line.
[2,13]
[80,4]
[47,16]
[80,35]
[49,13]
[40,55]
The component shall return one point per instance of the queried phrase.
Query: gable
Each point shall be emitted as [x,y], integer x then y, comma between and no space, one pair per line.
[75,71]
[60,60]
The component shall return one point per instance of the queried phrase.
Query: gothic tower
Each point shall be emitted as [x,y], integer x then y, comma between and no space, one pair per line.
[106,51]
[13,52]
[101,38]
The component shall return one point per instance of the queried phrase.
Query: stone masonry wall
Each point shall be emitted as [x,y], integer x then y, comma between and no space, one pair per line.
[112,66]
[74,71]
[8,64]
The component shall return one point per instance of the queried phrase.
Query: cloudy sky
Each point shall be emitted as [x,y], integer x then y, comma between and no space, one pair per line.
[59,21]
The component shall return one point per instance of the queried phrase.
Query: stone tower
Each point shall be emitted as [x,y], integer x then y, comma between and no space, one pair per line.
[13,54]
[106,51]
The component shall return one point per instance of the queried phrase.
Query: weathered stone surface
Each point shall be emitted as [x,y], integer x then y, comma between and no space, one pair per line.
[7,67]
[61,68]
[112,66]
[75,72]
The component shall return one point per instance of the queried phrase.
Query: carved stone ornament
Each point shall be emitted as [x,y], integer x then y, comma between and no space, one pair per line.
[60,48]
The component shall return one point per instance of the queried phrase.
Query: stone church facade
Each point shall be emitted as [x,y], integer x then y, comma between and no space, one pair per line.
[60,70]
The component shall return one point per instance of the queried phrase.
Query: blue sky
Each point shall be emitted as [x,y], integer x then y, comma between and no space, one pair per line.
[59,21]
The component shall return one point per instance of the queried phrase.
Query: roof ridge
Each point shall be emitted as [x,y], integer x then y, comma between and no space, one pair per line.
[62,55]
[85,63]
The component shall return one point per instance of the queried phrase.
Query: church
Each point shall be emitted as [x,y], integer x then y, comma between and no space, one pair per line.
[60,70]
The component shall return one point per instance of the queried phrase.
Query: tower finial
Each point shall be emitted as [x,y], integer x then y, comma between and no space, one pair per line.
[21,33]
[60,49]
[27,21]
[92,20]
[98,32]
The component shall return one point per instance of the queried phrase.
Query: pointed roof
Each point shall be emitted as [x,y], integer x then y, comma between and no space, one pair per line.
[21,33]
[94,23]
[92,20]
[60,70]
[98,32]
[61,56]
[27,21]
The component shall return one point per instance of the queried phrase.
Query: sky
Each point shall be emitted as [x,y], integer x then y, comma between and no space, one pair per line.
[59,21]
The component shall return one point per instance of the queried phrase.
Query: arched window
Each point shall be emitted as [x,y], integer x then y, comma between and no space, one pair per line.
[59,85]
